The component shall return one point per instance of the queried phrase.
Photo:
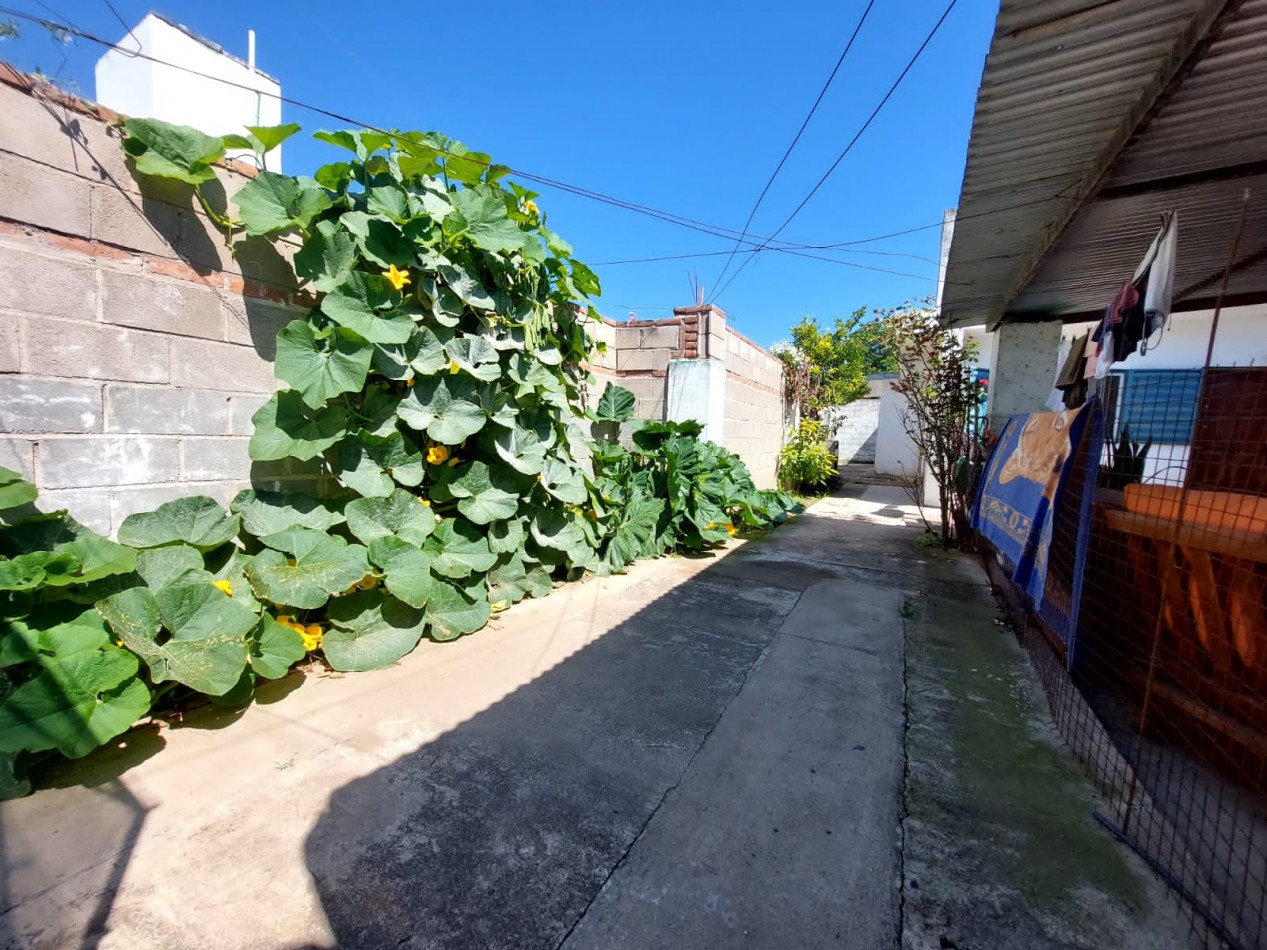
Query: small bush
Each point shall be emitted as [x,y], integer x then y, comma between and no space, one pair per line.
[805,463]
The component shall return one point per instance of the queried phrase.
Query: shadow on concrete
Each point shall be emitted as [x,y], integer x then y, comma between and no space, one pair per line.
[503,831]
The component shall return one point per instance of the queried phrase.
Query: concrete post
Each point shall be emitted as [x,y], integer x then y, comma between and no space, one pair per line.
[696,387]
[1023,371]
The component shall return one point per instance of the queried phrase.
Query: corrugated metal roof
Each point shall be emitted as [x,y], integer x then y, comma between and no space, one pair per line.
[1114,100]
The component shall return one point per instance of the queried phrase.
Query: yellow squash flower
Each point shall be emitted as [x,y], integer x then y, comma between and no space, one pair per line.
[312,636]
[454,369]
[397,278]
[425,501]
[499,605]
[286,620]
[224,586]
[731,530]
[454,461]
[530,207]
[437,454]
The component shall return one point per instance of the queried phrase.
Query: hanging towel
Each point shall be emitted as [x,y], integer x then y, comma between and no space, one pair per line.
[1156,276]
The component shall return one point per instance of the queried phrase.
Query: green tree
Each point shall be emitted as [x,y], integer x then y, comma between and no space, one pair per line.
[829,366]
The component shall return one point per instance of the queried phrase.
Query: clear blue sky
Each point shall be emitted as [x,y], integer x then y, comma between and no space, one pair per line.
[683,106]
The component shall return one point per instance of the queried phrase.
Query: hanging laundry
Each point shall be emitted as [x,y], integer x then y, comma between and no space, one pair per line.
[1156,276]
[1071,381]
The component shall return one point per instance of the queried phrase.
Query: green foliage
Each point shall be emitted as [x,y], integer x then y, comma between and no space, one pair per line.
[440,381]
[1126,460]
[941,394]
[806,464]
[829,367]
[64,684]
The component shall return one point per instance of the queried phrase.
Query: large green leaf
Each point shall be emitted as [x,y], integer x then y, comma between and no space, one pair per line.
[522,449]
[271,202]
[480,215]
[14,490]
[458,549]
[447,408]
[476,356]
[356,305]
[319,566]
[287,428]
[172,151]
[98,557]
[29,571]
[635,534]
[327,257]
[271,136]
[75,703]
[615,405]
[266,512]
[468,288]
[562,532]
[197,521]
[160,566]
[400,514]
[452,611]
[206,649]
[372,465]
[370,631]
[485,495]
[379,239]
[407,569]
[56,629]
[507,536]
[565,482]
[320,368]
[274,648]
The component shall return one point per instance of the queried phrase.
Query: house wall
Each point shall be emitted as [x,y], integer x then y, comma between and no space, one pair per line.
[141,87]
[856,429]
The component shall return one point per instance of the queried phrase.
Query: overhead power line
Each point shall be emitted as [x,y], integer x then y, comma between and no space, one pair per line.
[839,158]
[795,139]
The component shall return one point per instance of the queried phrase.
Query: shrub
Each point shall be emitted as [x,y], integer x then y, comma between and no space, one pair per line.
[805,463]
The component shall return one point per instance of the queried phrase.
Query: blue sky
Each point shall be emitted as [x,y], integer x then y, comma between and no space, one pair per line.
[686,107]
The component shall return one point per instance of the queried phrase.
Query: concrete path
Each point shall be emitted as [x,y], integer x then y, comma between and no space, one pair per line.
[704,753]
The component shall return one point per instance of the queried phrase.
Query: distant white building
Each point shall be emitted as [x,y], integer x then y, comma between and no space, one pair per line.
[228,96]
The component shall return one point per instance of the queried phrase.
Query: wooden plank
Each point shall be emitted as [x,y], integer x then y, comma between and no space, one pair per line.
[1215,541]
[1245,614]
[1207,612]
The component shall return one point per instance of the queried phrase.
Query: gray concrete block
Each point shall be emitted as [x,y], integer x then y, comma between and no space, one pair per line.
[53,135]
[256,322]
[10,356]
[127,219]
[215,459]
[241,409]
[34,194]
[107,461]
[90,507]
[44,406]
[50,285]
[156,410]
[168,306]
[201,364]
[93,351]
[18,455]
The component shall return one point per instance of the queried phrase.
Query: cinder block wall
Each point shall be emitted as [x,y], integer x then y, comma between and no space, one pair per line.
[133,348]
[754,426]
[855,428]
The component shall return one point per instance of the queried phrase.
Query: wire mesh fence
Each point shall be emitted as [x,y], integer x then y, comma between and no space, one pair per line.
[1151,635]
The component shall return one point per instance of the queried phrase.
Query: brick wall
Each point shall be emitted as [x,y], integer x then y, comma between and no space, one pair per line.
[133,348]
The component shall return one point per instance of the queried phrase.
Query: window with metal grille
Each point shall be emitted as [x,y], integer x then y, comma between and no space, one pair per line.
[1158,404]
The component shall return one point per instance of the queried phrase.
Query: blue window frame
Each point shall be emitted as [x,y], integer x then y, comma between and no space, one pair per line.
[1158,404]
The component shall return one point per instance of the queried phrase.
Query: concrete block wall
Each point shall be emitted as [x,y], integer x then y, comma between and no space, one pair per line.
[754,427]
[133,347]
[855,428]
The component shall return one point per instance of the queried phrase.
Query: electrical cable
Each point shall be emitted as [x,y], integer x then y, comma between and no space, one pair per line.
[799,132]
[839,158]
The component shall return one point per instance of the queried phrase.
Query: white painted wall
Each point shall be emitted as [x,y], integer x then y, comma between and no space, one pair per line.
[895,453]
[141,88]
